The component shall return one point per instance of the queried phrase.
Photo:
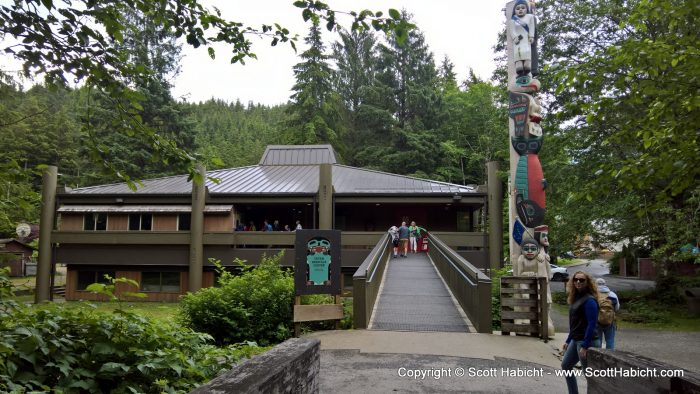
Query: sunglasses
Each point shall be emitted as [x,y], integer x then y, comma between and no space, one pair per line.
[580,280]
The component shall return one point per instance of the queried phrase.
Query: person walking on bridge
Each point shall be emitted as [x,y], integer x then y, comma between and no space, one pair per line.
[414,233]
[403,237]
[394,234]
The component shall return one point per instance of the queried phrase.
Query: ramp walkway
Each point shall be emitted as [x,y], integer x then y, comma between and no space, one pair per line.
[413,297]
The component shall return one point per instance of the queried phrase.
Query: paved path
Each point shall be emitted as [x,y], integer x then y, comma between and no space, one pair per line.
[681,349]
[370,361]
[413,297]
[411,351]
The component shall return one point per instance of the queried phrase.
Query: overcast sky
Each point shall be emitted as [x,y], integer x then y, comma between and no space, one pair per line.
[464,30]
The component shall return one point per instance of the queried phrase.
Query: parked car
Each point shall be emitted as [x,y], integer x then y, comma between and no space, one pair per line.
[559,273]
[568,255]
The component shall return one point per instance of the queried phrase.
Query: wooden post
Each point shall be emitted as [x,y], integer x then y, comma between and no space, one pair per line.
[297,325]
[495,211]
[544,308]
[48,211]
[325,197]
[197,231]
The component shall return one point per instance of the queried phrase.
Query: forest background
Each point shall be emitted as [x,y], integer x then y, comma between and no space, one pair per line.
[619,88]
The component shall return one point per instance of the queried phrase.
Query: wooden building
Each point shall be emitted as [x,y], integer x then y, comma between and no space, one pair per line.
[148,234]
[15,255]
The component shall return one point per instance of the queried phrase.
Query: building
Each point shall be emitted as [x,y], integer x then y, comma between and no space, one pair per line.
[149,235]
[17,256]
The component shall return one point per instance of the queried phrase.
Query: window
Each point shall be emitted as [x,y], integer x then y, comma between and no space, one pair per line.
[163,282]
[183,221]
[86,278]
[140,221]
[95,222]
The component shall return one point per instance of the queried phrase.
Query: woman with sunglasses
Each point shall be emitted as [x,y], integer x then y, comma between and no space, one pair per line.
[583,317]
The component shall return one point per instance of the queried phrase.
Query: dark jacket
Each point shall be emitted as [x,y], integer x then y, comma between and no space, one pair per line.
[583,318]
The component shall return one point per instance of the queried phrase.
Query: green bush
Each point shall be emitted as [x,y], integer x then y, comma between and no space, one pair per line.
[52,348]
[71,350]
[253,306]
[640,310]
[496,296]
[614,265]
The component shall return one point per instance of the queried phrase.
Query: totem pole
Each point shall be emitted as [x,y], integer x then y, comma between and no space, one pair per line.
[529,242]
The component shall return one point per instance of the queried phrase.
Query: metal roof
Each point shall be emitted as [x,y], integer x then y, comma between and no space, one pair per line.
[287,180]
[287,170]
[143,208]
[290,155]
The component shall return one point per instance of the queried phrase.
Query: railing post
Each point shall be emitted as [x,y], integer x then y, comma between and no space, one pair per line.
[359,302]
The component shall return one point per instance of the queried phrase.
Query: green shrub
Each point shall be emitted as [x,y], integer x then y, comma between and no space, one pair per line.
[53,348]
[641,310]
[496,296]
[614,265]
[559,297]
[667,289]
[85,351]
[253,306]
[346,323]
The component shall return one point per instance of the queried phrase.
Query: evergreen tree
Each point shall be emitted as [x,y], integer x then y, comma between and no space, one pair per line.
[403,105]
[447,76]
[315,107]
[355,59]
[155,49]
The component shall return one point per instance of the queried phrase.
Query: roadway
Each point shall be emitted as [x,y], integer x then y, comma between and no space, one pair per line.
[599,268]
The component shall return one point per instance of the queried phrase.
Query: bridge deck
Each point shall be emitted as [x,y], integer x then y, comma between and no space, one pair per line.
[414,298]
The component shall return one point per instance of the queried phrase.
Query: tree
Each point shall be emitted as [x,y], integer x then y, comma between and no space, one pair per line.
[473,131]
[151,45]
[354,56]
[625,87]
[315,107]
[401,108]
[447,76]
[84,40]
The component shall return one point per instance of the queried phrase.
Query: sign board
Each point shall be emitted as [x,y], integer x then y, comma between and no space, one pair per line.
[317,262]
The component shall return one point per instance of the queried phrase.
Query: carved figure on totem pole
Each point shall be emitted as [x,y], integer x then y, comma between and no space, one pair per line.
[534,261]
[521,31]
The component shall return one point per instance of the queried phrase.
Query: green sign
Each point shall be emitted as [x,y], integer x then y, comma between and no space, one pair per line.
[317,262]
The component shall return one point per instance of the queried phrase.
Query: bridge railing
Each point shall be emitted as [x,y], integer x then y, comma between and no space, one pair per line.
[366,281]
[468,284]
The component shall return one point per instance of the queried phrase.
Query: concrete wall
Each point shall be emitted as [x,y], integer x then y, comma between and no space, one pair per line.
[290,367]
[615,363]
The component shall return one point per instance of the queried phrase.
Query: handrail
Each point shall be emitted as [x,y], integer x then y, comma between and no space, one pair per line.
[470,286]
[366,281]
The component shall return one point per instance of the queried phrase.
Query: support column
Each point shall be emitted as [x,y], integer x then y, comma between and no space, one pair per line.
[325,197]
[197,230]
[46,224]
[495,201]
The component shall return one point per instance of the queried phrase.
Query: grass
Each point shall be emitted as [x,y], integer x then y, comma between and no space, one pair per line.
[161,311]
[563,262]
[29,282]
